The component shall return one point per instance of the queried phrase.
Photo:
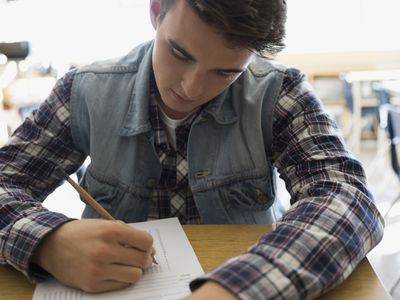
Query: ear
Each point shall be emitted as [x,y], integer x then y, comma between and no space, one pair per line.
[154,12]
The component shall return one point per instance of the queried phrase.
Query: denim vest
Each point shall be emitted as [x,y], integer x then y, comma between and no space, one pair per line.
[230,171]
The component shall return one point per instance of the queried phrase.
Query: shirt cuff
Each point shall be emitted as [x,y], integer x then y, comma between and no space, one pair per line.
[23,238]
[250,276]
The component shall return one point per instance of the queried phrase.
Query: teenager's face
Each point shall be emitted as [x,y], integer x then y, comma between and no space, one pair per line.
[191,61]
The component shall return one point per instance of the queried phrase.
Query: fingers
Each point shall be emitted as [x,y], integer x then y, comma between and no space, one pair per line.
[135,238]
[153,256]
[122,273]
[132,257]
[131,246]
[104,286]
[111,277]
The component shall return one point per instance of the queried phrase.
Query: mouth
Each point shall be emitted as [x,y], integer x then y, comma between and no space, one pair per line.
[179,98]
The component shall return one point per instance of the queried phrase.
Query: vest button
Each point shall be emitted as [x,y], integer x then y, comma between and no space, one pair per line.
[201,174]
[261,197]
[151,182]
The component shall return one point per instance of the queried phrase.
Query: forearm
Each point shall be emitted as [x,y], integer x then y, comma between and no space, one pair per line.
[315,246]
[24,223]
[28,175]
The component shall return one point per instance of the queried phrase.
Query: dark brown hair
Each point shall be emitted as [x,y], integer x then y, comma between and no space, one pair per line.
[258,25]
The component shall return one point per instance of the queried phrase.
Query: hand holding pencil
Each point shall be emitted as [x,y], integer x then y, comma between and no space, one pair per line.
[91,254]
[92,202]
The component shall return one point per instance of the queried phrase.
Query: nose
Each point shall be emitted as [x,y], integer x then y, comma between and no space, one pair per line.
[193,84]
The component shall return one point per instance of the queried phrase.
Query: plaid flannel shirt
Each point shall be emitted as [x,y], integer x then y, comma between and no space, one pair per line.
[329,228]
[172,196]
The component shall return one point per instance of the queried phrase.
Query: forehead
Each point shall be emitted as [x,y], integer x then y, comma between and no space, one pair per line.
[182,25]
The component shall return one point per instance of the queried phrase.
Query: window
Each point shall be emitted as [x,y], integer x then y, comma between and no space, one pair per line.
[86,30]
[342,25]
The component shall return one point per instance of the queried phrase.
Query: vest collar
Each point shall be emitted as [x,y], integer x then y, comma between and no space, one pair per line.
[136,120]
[221,108]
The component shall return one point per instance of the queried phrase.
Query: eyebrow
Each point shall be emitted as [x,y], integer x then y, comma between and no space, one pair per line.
[191,58]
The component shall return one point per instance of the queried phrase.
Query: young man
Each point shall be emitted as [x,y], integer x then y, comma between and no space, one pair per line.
[190,125]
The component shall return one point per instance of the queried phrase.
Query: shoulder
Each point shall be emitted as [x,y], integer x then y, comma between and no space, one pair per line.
[62,89]
[262,67]
[264,72]
[265,75]
[292,82]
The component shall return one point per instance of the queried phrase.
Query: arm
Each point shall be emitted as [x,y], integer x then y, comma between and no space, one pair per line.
[89,254]
[27,176]
[332,223]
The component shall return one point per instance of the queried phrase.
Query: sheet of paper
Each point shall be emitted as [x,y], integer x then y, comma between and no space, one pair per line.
[177,266]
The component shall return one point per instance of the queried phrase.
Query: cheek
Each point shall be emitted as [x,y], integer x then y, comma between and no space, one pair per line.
[166,67]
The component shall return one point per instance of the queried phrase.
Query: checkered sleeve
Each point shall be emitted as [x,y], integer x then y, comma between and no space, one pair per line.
[332,222]
[27,176]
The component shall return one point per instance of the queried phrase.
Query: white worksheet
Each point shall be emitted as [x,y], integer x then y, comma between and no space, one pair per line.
[177,266]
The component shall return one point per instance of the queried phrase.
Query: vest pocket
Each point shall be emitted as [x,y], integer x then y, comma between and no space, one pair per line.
[250,194]
[246,201]
[121,201]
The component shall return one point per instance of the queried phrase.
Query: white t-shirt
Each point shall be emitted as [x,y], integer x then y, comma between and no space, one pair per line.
[172,124]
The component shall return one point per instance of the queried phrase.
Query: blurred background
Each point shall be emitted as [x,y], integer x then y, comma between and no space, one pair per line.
[348,49]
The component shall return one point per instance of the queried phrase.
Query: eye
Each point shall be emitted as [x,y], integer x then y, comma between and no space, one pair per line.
[228,75]
[177,54]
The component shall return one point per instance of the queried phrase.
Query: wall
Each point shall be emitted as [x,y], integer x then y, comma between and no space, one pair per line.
[333,63]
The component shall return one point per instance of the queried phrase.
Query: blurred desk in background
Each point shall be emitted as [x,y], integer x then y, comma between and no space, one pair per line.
[27,91]
[9,121]
[363,97]
[19,97]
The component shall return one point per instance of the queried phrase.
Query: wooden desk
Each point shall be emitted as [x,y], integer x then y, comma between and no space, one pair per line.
[214,244]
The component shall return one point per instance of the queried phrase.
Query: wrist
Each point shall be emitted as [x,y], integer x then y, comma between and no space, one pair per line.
[212,290]
[43,250]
